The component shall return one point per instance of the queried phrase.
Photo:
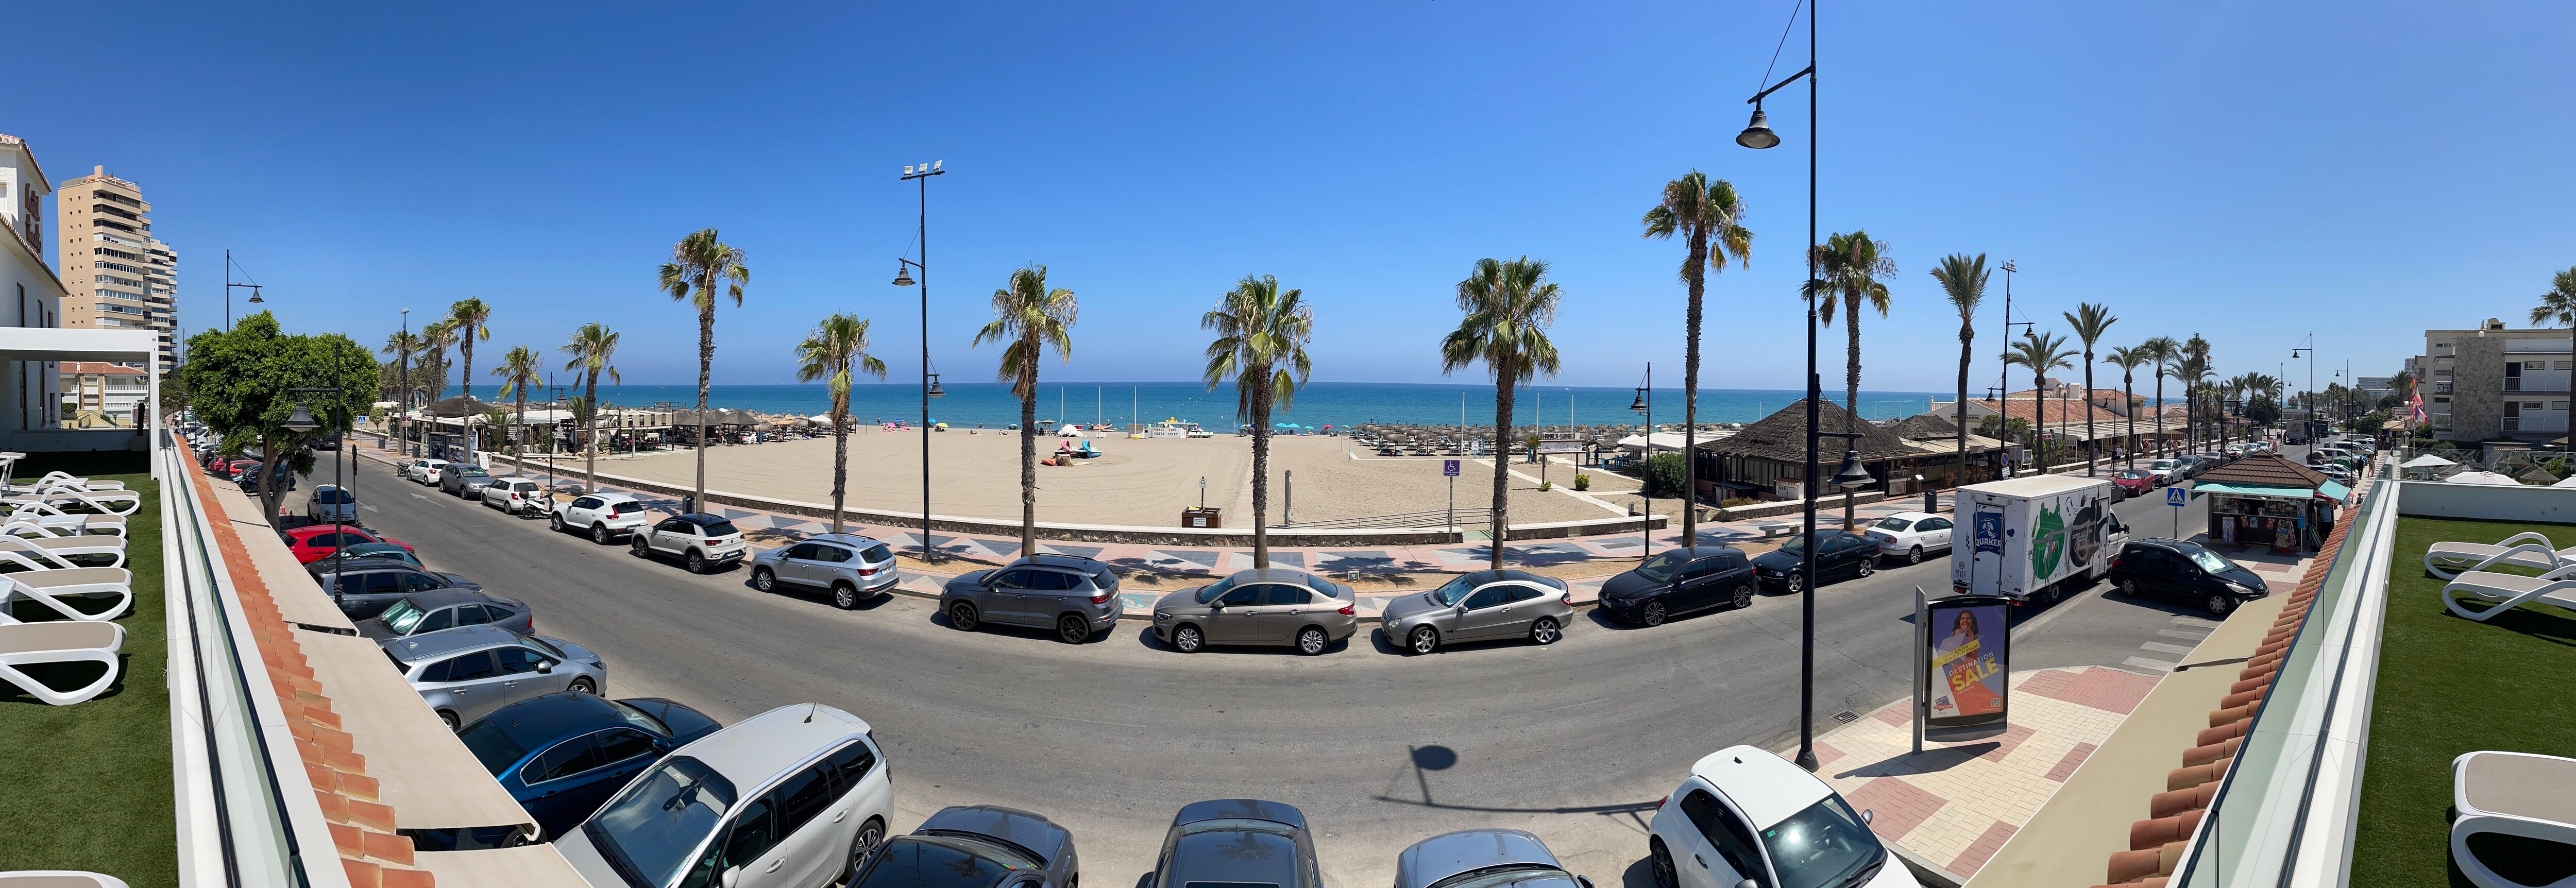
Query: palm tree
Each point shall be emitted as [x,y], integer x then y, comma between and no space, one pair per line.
[402,345]
[837,347]
[591,348]
[2129,360]
[2090,321]
[2041,352]
[1709,217]
[1963,280]
[2558,306]
[1850,266]
[472,319]
[1030,317]
[699,265]
[518,371]
[435,340]
[2162,351]
[1262,333]
[1508,306]
[2196,347]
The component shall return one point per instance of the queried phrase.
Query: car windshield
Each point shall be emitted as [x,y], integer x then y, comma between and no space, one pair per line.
[1661,568]
[1235,851]
[332,497]
[912,863]
[1326,587]
[402,616]
[543,645]
[1215,590]
[876,553]
[1529,874]
[719,528]
[658,822]
[1894,524]
[492,745]
[2211,561]
[640,718]
[1822,847]
[1450,592]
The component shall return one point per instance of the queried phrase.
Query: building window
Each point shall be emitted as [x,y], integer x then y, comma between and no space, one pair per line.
[2557,405]
[2535,365]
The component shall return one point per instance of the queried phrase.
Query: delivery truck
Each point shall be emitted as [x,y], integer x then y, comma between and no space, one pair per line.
[2035,537]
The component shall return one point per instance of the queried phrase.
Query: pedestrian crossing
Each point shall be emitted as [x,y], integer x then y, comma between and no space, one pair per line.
[2184,628]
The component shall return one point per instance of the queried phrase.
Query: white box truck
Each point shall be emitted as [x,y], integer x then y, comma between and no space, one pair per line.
[2034,537]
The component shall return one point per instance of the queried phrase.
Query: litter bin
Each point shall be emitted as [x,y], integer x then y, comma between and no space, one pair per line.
[1204,516]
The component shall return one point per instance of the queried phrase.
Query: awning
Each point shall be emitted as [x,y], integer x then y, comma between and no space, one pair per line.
[2261,490]
[2333,491]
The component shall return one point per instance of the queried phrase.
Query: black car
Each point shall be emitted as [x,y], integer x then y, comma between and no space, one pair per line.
[1238,843]
[2186,571]
[975,846]
[364,587]
[1679,581]
[282,478]
[1844,554]
[561,755]
[438,609]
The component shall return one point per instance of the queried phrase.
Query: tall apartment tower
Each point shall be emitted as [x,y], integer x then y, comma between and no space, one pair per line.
[119,275]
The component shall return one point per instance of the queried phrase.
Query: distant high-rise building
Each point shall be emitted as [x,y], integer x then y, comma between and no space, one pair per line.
[119,275]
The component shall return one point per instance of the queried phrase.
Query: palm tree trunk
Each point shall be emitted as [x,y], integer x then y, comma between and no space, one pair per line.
[2129,381]
[706,369]
[2160,409]
[1028,447]
[467,344]
[1260,396]
[841,455]
[2092,445]
[2038,422]
[1851,390]
[1697,280]
[1967,335]
[1503,376]
[590,432]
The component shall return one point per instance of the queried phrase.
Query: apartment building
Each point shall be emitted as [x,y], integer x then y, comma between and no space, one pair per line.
[2495,383]
[120,276]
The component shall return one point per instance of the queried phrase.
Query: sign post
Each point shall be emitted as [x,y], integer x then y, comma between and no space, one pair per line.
[1449,467]
[1922,686]
[2175,496]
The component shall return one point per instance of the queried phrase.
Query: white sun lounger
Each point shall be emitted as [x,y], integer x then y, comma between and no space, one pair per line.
[50,587]
[2525,549]
[30,644]
[2504,592]
[8,480]
[2511,794]
[57,551]
[105,501]
[56,520]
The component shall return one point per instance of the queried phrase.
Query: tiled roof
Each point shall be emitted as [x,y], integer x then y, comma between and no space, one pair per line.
[2267,469]
[100,367]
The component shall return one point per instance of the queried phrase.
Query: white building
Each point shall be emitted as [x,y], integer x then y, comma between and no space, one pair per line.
[32,338]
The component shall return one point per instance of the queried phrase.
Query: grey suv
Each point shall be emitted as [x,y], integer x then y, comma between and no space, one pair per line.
[1271,606]
[1077,597]
[850,565]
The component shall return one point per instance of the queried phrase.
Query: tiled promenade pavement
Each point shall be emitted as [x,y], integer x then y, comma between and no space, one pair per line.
[1955,804]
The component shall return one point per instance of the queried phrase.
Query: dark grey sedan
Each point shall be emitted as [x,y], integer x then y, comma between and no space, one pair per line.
[1242,843]
[365,587]
[976,846]
[1482,858]
[1482,606]
[438,609]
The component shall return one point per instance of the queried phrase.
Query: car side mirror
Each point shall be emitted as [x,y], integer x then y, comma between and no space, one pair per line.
[1866,815]
[1582,882]
[732,874]
[1462,607]
[546,667]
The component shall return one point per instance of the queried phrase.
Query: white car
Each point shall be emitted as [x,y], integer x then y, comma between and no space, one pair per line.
[423,471]
[1747,816]
[1909,535]
[516,496]
[605,516]
[706,542]
[794,797]
[2167,471]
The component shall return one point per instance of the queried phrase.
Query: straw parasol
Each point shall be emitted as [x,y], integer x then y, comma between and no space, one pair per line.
[460,405]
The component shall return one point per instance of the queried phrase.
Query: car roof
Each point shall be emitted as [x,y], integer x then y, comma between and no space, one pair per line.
[428,645]
[367,563]
[1027,830]
[751,751]
[1766,787]
[1068,562]
[1270,575]
[1912,516]
[613,497]
[429,598]
[537,722]
[702,518]
[311,529]
[845,539]
[1449,854]
[1240,809]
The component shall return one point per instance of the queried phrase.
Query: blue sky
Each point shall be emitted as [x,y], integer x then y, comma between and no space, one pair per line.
[2246,171]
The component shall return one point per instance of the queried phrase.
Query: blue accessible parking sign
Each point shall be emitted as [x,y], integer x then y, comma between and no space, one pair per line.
[1449,467]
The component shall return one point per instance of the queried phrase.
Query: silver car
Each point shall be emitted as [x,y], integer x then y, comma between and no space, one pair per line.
[1272,606]
[1483,858]
[471,670]
[1076,597]
[1481,606]
[851,566]
[421,613]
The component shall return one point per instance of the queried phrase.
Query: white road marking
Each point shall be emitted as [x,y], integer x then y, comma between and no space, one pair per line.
[2144,663]
[2194,634]
[2163,648]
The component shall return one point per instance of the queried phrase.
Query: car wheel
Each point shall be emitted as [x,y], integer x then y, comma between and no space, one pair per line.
[642,549]
[1545,631]
[1653,614]
[1072,629]
[962,616]
[449,719]
[697,562]
[555,522]
[763,580]
[2129,588]
[1743,596]
[1797,582]
[1422,640]
[1869,566]
[864,845]
[1665,877]
[1914,555]
[599,534]
[1187,639]
[2219,605]
[582,686]
[845,596]
[1311,641]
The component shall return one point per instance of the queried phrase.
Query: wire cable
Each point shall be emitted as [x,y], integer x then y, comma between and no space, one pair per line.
[1775,50]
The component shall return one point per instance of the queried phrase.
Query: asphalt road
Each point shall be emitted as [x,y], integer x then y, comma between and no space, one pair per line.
[1575,742]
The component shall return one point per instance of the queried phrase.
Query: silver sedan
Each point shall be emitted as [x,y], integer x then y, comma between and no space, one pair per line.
[1483,858]
[1272,606]
[1481,606]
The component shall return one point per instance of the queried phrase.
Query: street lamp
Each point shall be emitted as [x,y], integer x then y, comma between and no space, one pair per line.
[1645,404]
[2308,346]
[929,380]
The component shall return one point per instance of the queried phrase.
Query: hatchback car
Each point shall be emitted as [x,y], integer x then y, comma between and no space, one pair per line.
[1843,554]
[423,471]
[1272,606]
[1237,843]
[1680,581]
[976,846]
[1745,815]
[282,479]
[435,609]
[1480,606]
[704,542]
[851,566]
[2134,482]
[471,670]
[516,496]
[463,480]
[1907,535]
[331,502]
[605,516]
[1076,597]
[2167,471]
[560,755]
[1483,858]
[314,542]
[796,797]
[2184,571]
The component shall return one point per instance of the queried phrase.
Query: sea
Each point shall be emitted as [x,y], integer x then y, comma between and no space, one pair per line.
[1317,405]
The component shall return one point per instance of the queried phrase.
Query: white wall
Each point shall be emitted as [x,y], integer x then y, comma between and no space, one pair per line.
[2486,502]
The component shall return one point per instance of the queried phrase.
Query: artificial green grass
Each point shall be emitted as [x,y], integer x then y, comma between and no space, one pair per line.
[88,786]
[2449,686]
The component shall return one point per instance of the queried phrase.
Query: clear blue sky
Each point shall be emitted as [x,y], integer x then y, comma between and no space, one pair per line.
[2247,171]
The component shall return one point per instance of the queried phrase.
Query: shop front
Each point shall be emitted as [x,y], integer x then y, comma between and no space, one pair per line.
[2277,518]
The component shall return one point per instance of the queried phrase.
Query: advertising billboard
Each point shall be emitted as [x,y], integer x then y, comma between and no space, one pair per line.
[1968,655]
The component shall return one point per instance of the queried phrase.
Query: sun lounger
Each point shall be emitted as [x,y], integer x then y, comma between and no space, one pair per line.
[2525,549]
[51,553]
[50,587]
[9,468]
[34,644]
[2504,592]
[101,501]
[51,519]
[2516,813]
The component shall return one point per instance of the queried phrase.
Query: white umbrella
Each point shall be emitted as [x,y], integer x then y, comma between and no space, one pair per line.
[2483,478]
[2426,461]
[824,418]
[2569,482]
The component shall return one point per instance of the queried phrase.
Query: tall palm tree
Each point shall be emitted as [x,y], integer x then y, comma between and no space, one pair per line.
[592,348]
[2129,360]
[2197,347]
[1508,306]
[472,320]
[1963,280]
[402,345]
[2162,351]
[2090,321]
[518,371]
[2193,372]
[1850,266]
[2041,352]
[435,340]
[835,349]
[1709,217]
[2558,305]
[700,265]
[1261,333]
[1030,317]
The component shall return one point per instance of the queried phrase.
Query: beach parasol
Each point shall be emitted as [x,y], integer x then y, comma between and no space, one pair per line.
[2483,478]
[460,405]
[2426,461]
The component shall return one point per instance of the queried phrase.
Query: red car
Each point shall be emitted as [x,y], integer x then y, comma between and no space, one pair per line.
[316,542]
[230,469]
[2135,482]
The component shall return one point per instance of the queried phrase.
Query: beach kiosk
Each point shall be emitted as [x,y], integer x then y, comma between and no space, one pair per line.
[2268,501]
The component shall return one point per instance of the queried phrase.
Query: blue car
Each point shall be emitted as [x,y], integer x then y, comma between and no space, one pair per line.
[561,755]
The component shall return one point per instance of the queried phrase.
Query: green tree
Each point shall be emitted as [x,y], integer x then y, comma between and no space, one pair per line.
[1663,474]
[2263,410]
[836,349]
[1507,307]
[2161,351]
[2558,305]
[1261,335]
[1963,282]
[435,340]
[592,348]
[472,320]
[1030,317]
[2090,321]
[519,372]
[700,267]
[1850,267]
[239,381]
[2041,352]
[1709,217]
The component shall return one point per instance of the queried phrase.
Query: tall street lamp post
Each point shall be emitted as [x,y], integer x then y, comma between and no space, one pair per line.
[1645,404]
[2307,349]
[929,380]
[402,399]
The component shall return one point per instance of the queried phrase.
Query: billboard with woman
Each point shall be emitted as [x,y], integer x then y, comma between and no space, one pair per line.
[1969,660]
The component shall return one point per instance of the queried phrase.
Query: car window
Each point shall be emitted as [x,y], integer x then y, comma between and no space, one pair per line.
[1244,596]
[802,551]
[912,863]
[1525,593]
[661,818]
[1488,597]
[1734,842]
[801,797]
[1052,581]
[754,831]
[1701,808]
[847,765]
[674,525]
[587,502]
[1011,579]
[566,759]
[1282,593]
[469,667]
[518,660]
[413,582]
[1321,586]
[2211,561]
[490,741]
[1936,524]
[719,528]
[831,554]
[1450,592]
[877,553]
[1894,524]
[437,620]
[385,583]
[619,744]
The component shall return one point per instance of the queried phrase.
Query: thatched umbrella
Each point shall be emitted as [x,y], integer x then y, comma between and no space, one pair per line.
[461,405]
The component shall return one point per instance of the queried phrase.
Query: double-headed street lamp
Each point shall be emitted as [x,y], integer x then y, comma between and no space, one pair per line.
[2308,349]
[929,380]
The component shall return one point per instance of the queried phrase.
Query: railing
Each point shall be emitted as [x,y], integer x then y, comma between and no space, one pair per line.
[1435,518]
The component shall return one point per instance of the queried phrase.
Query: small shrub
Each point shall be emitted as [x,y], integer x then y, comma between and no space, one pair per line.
[1545,486]
[1582,481]
[1664,475]
[1738,501]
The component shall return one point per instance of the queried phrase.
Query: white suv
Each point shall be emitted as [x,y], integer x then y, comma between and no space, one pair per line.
[791,798]
[516,496]
[606,516]
[423,471]
[706,541]
[1747,816]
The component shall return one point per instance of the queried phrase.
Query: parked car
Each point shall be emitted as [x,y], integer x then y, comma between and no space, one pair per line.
[516,496]
[1483,858]
[1237,843]
[705,542]
[1263,606]
[1076,597]
[1679,581]
[1908,535]
[383,551]
[331,502]
[2184,571]
[2338,474]
[322,443]
[1481,606]
[2134,482]
[314,542]
[471,670]
[435,609]
[1745,815]
[463,480]
[231,468]
[1842,554]
[795,797]
[364,587]
[606,516]
[281,479]
[2167,471]
[851,566]
[423,471]
[976,846]
[560,755]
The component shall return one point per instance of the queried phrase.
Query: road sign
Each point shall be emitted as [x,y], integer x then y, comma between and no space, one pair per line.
[2174,496]
[1449,467]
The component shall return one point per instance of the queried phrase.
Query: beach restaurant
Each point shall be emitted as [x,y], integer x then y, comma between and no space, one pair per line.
[1767,459]
[2267,500]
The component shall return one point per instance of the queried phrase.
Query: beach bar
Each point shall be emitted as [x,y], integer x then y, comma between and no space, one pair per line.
[1766,460]
[2268,501]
